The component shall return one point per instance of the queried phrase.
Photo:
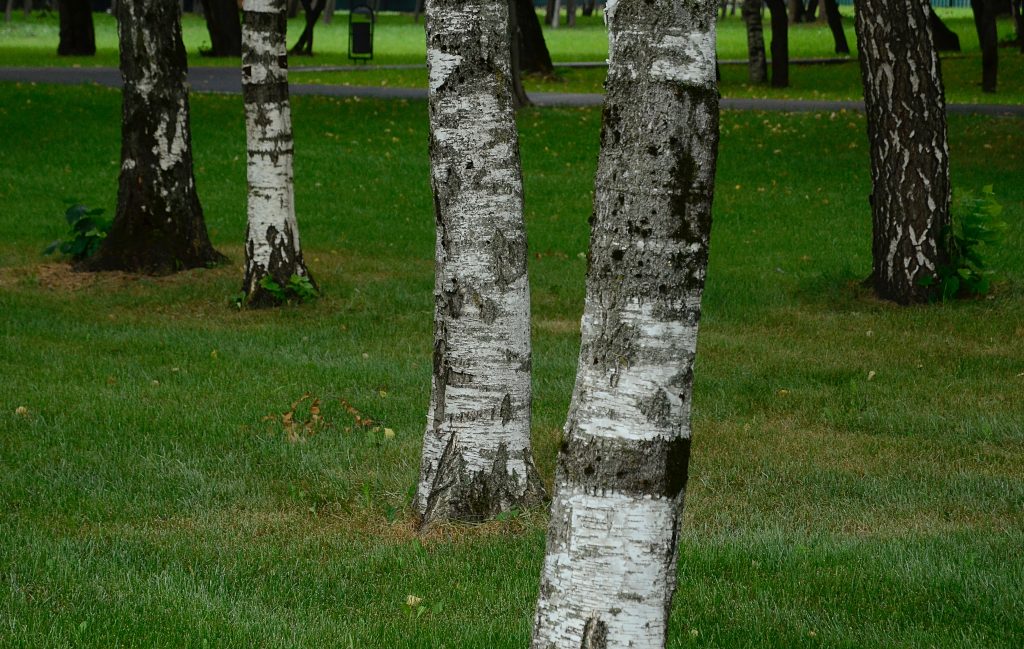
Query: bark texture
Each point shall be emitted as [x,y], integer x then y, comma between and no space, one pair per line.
[272,237]
[158,226]
[906,113]
[780,43]
[985,24]
[610,568]
[476,450]
[758,64]
[77,36]
[224,27]
[835,23]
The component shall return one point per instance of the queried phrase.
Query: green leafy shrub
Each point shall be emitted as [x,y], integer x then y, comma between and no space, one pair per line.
[974,225]
[88,230]
[298,289]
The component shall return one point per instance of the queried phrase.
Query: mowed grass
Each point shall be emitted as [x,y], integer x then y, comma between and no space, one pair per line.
[153,497]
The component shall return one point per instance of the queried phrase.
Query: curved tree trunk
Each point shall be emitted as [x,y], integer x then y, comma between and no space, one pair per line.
[780,43]
[906,114]
[224,27]
[272,237]
[985,24]
[476,450]
[610,567]
[77,36]
[944,38]
[835,23]
[312,10]
[519,97]
[158,226]
[533,50]
[758,65]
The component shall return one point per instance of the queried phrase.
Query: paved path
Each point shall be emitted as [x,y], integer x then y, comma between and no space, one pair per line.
[228,80]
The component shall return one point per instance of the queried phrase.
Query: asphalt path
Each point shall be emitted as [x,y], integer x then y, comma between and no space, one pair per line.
[228,80]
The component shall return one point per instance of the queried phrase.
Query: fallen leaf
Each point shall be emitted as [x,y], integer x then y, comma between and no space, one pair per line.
[871,375]
[21,411]
[389,433]
[412,601]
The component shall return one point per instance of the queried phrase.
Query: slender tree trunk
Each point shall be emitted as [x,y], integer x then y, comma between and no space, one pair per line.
[556,15]
[476,450]
[906,114]
[329,12]
[549,12]
[77,37]
[758,65]
[519,97]
[796,11]
[293,9]
[8,11]
[1018,21]
[272,247]
[533,50]
[835,23]
[224,27]
[610,568]
[570,13]
[985,24]
[943,38]
[158,226]
[588,7]
[312,10]
[418,11]
[780,43]
[27,7]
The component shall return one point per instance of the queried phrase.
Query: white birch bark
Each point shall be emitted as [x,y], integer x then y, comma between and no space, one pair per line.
[906,116]
[272,236]
[610,568]
[476,450]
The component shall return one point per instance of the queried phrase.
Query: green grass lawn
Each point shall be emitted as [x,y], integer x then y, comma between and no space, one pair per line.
[152,497]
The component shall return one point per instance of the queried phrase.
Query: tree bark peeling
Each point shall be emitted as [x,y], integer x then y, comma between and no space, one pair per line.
[272,236]
[906,116]
[609,571]
[476,451]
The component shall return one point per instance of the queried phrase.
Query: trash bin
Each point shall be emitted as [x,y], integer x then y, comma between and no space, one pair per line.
[360,33]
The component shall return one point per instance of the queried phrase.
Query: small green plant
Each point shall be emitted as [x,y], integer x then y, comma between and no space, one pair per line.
[974,224]
[88,230]
[298,289]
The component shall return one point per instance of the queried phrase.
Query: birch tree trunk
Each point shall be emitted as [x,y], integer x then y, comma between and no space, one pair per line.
[610,568]
[757,63]
[158,226]
[906,113]
[272,237]
[476,450]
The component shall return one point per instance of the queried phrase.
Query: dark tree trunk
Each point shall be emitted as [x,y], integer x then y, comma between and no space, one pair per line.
[312,10]
[588,7]
[329,12]
[551,12]
[570,13]
[780,43]
[8,11]
[293,8]
[758,65]
[77,37]
[158,227]
[835,23]
[534,57]
[944,38]
[519,97]
[796,11]
[419,10]
[985,24]
[225,28]
[906,116]
[1018,20]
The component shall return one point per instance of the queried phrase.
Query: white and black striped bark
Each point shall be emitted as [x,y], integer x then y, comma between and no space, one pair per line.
[906,117]
[272,237]
[477,460]
[610,568]
[158,226]
[757,62]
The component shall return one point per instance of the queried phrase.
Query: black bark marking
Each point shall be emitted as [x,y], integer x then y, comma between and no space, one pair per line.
[595,634]
[657,467]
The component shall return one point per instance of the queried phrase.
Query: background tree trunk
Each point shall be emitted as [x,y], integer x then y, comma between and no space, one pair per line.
[272,246]
[944,39]
[329,12]
[1018,21]
[77,37]
[758,65]
[476,450]
[519,97]
[796,11]
[985,24]
[610,567]
[224,27]
[158,226]
[588,7]
[906,114]
[8,11]
[312,10]
[533,50]
[780,43]
[570,13]
[830,10]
